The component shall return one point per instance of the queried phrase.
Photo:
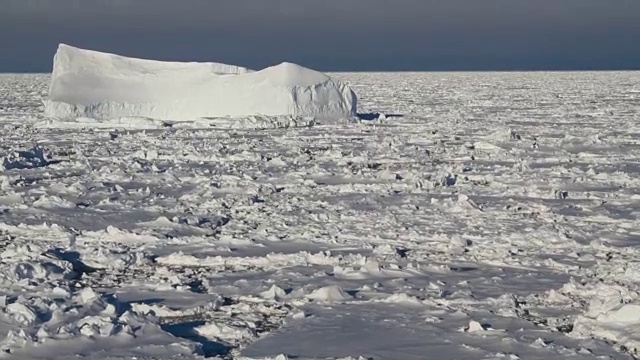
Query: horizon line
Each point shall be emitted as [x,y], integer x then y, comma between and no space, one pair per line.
[523,70]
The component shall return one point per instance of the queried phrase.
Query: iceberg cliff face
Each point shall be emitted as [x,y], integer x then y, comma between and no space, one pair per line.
[92,84]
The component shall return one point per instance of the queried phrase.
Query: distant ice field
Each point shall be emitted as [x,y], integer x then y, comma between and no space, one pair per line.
[482,216]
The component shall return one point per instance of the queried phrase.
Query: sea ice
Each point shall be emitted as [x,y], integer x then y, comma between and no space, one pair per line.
[440,232]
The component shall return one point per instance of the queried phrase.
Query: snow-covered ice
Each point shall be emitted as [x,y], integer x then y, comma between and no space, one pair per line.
[463,216]
[104,86]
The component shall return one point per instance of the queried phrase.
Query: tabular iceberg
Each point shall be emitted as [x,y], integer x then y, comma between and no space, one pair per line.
[98,85]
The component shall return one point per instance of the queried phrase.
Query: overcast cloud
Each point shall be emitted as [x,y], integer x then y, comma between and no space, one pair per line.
[332,34]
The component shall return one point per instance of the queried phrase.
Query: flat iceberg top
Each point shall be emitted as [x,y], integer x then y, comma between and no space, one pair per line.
[100,85]
[73,59]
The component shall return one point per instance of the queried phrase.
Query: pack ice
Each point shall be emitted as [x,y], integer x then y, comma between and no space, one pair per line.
[99,85]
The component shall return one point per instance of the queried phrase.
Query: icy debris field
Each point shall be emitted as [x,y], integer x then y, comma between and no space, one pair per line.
[484,216]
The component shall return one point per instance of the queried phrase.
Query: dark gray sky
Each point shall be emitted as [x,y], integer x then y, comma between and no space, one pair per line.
[359,35]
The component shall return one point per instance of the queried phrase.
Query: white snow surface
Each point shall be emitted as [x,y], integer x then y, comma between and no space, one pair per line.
[462,216]
[105,86]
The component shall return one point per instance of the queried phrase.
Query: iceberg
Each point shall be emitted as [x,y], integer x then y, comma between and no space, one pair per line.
[92,84]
